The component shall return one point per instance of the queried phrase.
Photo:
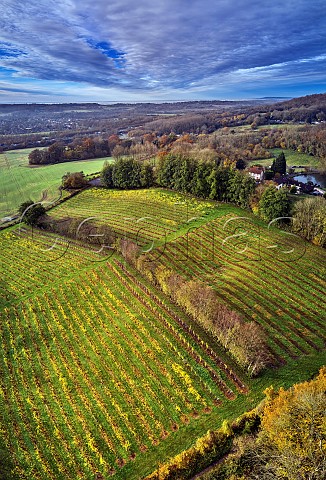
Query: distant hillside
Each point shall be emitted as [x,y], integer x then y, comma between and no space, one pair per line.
[316,100]
[309,109]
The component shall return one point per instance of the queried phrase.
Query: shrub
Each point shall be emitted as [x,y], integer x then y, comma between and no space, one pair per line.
[74,180]
[31,212]
[206,450]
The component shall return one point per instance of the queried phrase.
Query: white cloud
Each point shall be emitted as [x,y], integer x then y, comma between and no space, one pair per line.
[167,44]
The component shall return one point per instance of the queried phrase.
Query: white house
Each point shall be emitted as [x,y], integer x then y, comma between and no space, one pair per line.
[257,173]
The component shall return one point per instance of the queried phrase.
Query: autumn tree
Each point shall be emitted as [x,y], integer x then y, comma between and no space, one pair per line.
[291,441]
[74,180]
[309,220]
[118,152]
[294,432]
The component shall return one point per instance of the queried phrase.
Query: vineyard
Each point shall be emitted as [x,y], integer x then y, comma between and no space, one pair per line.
[97,368]
[101,375]
[266,275]
[142,215]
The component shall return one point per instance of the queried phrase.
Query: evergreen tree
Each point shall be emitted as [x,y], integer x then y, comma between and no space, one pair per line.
[126,173]
[106,175]
[166,169]
[279,164]
[200,185]
[234,186]
[274,203]
[183,173]
[146,175]
[240,164]
[218,180]
[248,186]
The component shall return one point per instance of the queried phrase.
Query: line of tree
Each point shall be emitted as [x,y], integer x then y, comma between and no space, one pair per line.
[246,341]
[127,173]
[177,172]
[204,179]
[82,149]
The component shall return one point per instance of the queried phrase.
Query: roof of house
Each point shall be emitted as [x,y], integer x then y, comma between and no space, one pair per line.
[257,170]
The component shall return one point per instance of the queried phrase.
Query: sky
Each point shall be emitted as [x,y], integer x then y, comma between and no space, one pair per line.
[147,50]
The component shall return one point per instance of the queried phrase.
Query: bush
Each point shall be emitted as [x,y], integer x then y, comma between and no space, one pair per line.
[246,341]
[86,232]
[74,180]
[249,422]
[207,449]
[31,212]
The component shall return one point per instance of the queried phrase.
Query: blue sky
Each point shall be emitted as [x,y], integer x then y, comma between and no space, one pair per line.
[120,50]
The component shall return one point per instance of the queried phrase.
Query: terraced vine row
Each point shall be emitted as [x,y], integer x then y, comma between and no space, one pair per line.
[97,366]
[95,369]
[282,296]
[142,215]
[30,261]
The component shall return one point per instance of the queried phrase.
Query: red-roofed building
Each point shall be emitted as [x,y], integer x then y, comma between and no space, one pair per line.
[257,173]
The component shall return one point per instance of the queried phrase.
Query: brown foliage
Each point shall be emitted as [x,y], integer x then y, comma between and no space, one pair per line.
[74,180]
[246,341]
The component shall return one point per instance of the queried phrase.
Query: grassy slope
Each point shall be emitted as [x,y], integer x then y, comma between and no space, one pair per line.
[250,269]
[264,283]
[18,182]
[143,215]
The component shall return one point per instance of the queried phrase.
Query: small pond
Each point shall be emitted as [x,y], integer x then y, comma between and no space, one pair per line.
[316,178]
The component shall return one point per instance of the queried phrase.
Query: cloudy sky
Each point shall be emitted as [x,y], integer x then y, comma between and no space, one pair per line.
[122,50]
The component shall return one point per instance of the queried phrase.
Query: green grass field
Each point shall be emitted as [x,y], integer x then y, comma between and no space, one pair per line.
[19,182]
[292,158]
[99,375]
[296,158]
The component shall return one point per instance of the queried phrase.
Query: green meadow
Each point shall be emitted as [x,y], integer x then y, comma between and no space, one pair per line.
[20,182]
[292,158]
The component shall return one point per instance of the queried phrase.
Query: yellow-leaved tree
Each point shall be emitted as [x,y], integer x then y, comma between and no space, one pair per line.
[293,434]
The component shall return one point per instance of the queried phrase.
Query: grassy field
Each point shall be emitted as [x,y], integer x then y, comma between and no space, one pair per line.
[99,376]
[292,158]
[296,158]
[19,182]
